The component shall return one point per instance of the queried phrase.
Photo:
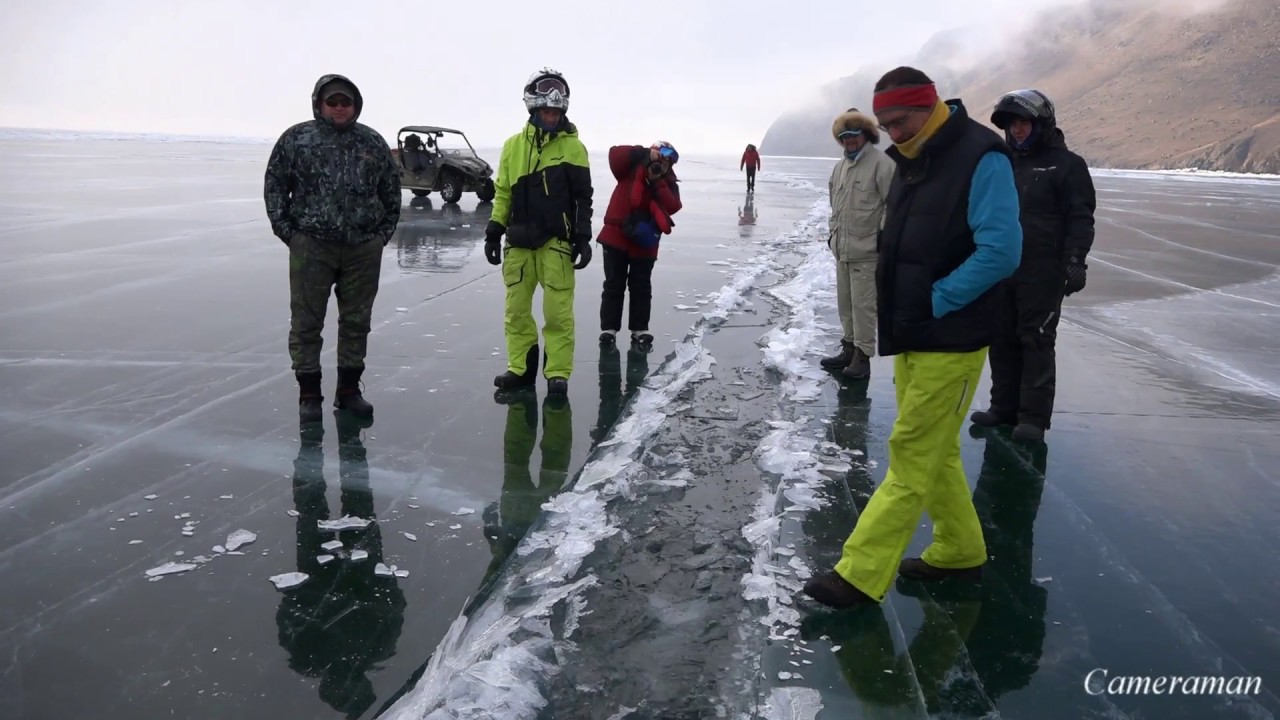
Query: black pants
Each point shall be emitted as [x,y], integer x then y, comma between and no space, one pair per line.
[1023,363]
[623,273]
[751,179]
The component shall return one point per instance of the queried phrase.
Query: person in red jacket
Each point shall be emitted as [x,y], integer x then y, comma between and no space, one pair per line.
[750,161]
[639,214]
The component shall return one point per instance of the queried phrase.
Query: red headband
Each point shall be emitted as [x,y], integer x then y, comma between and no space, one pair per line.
[925,96]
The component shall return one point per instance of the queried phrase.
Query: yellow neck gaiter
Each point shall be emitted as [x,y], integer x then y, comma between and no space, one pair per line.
[911,148]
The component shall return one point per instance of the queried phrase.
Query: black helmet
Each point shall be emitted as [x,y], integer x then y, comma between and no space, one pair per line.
[1030,104]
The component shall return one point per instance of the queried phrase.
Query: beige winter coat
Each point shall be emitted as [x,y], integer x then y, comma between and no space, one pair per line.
[858,190]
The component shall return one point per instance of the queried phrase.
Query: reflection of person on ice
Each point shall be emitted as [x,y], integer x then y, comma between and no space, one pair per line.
[1058,202]
[542,204]
[750,161]
[639,214]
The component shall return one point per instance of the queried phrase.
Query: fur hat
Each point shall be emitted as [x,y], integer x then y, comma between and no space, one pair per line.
[852,120]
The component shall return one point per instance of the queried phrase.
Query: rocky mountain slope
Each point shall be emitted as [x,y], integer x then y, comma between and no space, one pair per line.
[1138,84]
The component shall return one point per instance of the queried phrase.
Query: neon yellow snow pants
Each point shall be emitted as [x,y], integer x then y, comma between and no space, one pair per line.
[925,473]
[523,271]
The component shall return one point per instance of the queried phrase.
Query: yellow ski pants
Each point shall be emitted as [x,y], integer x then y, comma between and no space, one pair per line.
[523,271]
[925,473]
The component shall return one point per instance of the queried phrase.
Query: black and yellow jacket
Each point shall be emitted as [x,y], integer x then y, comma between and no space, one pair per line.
[543,189]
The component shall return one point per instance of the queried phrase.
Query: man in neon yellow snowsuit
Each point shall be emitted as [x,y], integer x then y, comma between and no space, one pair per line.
[951,235]
[542,204]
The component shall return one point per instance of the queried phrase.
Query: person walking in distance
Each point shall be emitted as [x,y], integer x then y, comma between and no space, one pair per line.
[750,161]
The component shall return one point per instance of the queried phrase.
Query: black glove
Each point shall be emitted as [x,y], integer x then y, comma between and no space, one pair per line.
[581,254]
[1075,271]
[493,242]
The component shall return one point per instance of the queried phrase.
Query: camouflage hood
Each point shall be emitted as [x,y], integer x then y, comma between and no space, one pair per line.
[325,80]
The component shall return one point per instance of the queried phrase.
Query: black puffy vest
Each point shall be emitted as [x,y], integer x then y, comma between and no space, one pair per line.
[926,236]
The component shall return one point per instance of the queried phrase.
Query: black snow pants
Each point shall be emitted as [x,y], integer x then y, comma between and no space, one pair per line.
[1023,363]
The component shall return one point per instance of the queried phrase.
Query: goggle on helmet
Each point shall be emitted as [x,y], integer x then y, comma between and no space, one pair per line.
[546,88]
[667,151]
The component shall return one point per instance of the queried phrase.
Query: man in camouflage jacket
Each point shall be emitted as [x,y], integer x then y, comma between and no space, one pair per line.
[333,196]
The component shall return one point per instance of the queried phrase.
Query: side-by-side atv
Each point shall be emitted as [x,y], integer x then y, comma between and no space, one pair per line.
[441,160]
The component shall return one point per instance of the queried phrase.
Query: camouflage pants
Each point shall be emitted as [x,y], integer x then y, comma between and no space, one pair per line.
[352,271]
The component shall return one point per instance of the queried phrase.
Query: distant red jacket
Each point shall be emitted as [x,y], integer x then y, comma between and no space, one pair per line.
[750,158]
[635,197]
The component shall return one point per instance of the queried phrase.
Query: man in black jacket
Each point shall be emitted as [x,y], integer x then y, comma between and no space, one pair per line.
[1057,200]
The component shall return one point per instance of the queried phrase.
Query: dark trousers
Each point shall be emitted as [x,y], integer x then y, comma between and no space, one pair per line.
[751,179]
[621,274]
[1023,361]
[352,272]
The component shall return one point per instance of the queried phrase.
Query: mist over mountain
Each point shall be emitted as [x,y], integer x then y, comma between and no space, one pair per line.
[1137,83]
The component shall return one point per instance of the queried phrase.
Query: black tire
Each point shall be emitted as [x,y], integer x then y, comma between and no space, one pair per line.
[486,191]
[421,193]
[451,189]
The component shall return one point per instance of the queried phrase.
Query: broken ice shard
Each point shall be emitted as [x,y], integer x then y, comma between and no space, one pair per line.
[238,538]
[170,568]
[288,580]
[346,523]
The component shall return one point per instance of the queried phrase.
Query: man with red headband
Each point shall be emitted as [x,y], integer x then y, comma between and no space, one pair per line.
[951,236]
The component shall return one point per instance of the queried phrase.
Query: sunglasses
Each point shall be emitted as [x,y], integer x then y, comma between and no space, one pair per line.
[546,86]
[338,101]
[667,152]
[896,123]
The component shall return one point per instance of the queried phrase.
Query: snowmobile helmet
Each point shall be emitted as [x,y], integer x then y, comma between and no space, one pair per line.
[546,88]
[1030,104]
[667,151]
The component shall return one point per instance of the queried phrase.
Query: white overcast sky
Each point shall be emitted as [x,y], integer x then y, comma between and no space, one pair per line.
[708,75]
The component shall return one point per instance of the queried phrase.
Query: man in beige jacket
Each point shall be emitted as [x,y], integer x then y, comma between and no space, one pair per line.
[858,188]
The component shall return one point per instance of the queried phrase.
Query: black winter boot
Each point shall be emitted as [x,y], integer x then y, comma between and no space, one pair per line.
[349,397]
[557,387]
[1026,432]
[511,381]
[310,398]
[990,418]
[840,359]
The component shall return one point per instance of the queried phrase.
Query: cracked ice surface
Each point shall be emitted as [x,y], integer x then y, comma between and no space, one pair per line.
[483,662]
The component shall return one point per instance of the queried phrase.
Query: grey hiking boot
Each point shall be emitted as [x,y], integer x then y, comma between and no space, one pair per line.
[840,359]
[859,367]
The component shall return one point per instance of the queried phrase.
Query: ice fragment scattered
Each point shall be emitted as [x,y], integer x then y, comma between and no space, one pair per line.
[238,538]
[288,580]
